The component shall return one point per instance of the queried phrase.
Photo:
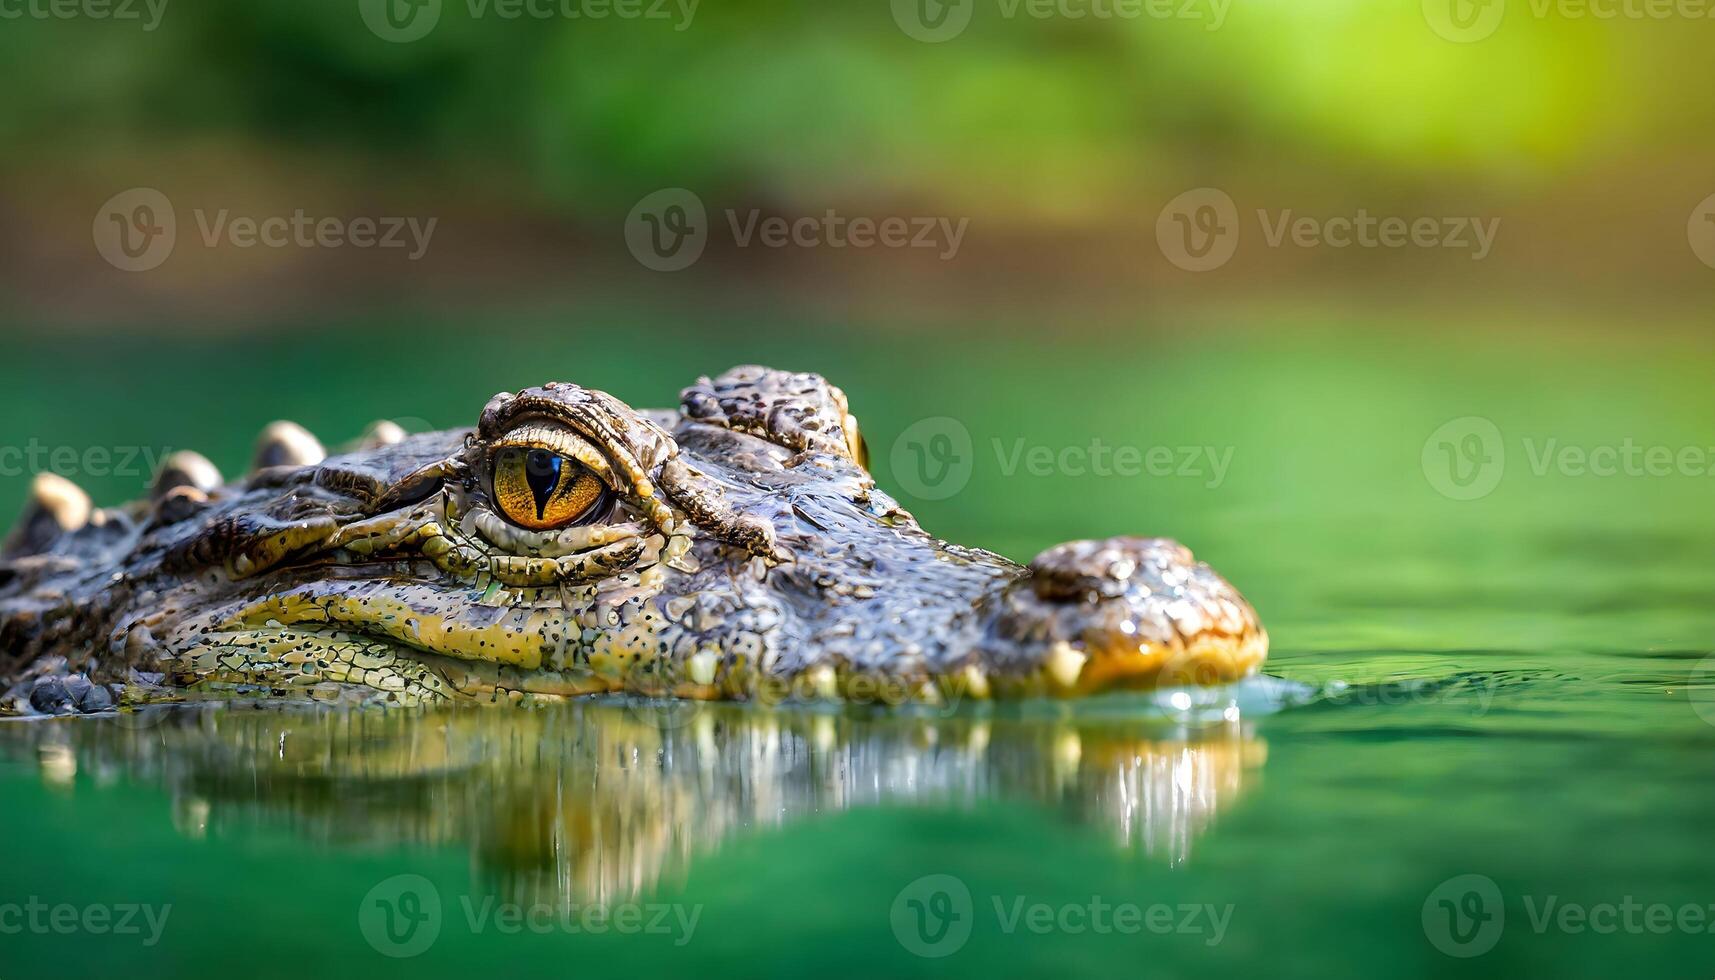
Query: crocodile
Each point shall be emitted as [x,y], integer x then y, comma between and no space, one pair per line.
[734,548]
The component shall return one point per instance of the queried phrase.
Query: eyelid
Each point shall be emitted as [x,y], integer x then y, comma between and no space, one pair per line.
[550,544]
[563,442]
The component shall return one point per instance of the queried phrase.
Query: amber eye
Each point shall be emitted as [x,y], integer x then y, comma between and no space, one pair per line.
[541,490]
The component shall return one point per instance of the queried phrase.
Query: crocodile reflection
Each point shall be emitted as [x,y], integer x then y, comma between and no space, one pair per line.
[603,802]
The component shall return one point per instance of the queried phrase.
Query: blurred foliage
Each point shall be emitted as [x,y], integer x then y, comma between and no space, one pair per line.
[789,102]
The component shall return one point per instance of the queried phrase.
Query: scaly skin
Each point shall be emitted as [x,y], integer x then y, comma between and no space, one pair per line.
[745,554]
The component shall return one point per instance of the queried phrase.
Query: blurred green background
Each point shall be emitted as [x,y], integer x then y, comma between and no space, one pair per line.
[1059,138]
[1342,383]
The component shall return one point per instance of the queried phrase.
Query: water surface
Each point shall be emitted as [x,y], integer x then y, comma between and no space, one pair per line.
[1507,766]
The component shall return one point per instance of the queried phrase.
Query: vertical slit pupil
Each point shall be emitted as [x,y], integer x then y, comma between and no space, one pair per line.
[542,473]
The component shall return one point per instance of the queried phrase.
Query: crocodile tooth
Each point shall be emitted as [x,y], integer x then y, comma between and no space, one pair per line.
[824,681]
[287,444]
[701,667]
[969,681]
[185,469]
[1064,663]
[56,506]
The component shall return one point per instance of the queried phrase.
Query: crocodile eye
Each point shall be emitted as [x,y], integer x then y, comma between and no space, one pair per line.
[541,490]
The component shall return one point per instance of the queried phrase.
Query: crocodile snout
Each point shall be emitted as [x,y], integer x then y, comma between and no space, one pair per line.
[1125,612]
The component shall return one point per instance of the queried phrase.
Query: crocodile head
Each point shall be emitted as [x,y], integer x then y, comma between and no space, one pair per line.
[569,544]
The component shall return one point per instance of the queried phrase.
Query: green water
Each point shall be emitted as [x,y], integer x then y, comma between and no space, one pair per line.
[1529,701]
